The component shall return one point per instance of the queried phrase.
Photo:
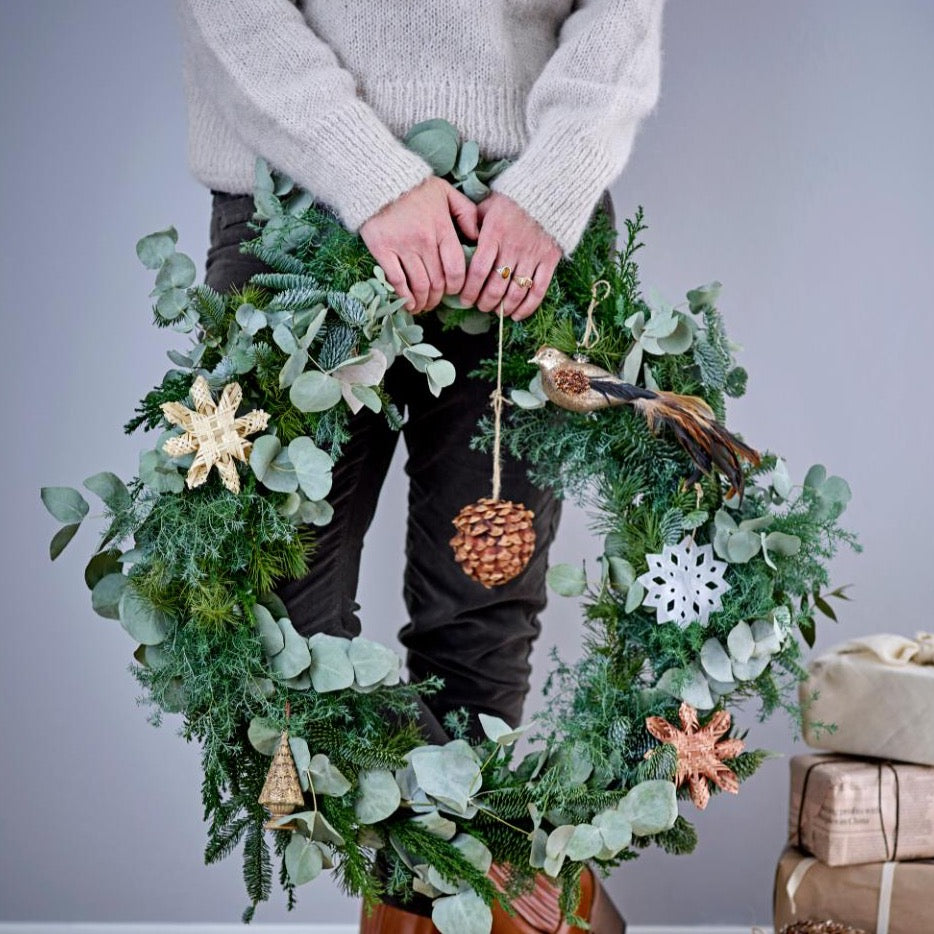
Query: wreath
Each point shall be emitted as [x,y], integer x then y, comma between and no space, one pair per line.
[711,570]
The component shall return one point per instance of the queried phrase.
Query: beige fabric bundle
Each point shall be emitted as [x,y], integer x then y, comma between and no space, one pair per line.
[879,692]
[856,811]
[885,898]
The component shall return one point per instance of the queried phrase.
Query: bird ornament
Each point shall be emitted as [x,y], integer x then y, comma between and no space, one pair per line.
[580,386]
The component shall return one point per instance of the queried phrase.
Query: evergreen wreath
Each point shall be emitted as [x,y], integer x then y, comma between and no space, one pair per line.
[188,567]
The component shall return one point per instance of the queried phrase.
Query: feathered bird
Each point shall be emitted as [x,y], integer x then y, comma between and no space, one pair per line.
[583,387]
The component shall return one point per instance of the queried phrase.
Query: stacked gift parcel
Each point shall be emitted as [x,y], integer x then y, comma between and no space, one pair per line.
[861,831]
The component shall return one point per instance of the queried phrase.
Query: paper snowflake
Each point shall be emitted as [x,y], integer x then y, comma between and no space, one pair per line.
[684,583]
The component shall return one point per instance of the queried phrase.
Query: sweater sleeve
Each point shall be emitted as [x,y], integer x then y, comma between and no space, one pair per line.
[284,93]
[583,112]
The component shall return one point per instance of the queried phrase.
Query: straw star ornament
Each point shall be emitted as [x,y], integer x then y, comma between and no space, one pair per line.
[214,432]
[700,751]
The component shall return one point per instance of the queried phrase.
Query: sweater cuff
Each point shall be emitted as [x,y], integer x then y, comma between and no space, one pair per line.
[560,177]
[364,165]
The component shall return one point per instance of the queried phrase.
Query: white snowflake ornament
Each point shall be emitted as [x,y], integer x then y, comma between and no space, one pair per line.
[684,583]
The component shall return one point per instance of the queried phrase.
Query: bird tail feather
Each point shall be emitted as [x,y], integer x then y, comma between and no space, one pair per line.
[694,425]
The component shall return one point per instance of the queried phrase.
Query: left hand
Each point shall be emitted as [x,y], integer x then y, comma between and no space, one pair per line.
[509,237]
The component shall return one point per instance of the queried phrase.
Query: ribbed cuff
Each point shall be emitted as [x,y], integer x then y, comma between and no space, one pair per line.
[560,177]
[358,166]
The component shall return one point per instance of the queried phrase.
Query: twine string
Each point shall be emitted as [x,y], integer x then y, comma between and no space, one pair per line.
[498,410]
[591,334]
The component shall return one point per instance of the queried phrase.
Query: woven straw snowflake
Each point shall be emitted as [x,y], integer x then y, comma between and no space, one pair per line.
[700,751]
[214,431]
[684,583]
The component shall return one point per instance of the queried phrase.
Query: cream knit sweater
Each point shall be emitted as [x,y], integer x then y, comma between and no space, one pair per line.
[323,90]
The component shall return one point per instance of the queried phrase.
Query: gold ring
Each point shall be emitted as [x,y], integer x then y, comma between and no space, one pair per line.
[504,271]
[524,282]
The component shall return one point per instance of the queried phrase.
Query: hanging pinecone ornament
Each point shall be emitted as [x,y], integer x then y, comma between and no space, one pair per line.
[494,541]
[282,791]
[495,537]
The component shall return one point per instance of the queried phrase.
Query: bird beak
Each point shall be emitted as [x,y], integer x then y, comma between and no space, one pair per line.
[532,360]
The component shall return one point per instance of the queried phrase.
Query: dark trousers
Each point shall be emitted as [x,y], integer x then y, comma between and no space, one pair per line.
[478,640]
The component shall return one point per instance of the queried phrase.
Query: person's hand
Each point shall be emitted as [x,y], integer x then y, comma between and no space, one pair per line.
[509,237]
[415,242]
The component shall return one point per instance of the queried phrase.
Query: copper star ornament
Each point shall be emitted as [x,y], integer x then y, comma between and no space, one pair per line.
[700,751]
[214,431]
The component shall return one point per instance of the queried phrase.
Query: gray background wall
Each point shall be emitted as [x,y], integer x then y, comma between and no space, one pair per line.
[790,157]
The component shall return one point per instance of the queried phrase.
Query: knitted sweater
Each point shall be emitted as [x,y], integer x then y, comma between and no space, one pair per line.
[324,90]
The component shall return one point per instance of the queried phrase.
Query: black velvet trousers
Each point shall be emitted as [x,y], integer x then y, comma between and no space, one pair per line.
[477,640]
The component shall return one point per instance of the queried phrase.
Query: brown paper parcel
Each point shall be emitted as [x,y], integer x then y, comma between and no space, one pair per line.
[858,811]
[879,691]
[885,898]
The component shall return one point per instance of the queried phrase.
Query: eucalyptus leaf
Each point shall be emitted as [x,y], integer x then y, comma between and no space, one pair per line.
[110,488]
[634,597]
[468,158]
[372,661]
[284,338]
[177,271]
[301,756]
[525,400]
[815,477]
[715,661]
[312,467]
[271,465]
[61,539]
[143,621]
[64,503]
[622,573]
[750,669]
[251,319]
[449,774]
[315,391]
[327,778]
[316,512]
[740,643]
[464,913]
[102,564]
[475,189]
[171,303]
[474,851]
[379,796]
[567,580]
[585,843]
[650,807]
[437,145]
[105,597]
[615,831]
[294,656]
[440,373]
[368,396]
[781,479]
[556,848]
[155,248]
[264,735]
[331,668]
[159,473]
[270,635]
[303,859]
[434,822]
[500,731]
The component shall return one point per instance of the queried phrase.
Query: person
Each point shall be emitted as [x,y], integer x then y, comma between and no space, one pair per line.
[324,91]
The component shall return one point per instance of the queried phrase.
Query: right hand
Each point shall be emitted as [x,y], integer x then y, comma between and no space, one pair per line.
[415,241]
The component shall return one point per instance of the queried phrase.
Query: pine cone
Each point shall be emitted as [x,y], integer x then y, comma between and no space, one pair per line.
[494,541]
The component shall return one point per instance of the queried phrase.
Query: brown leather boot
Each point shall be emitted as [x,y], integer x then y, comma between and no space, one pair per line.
[537,911]
[387,919]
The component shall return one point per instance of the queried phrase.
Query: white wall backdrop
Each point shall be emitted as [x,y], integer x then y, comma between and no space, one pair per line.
[790,157]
